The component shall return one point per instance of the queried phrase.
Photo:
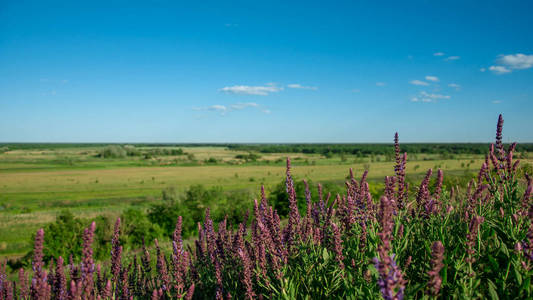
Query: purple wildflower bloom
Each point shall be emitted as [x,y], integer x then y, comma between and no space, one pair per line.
[437,255]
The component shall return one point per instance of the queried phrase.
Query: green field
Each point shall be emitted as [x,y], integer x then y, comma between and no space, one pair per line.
[39,182]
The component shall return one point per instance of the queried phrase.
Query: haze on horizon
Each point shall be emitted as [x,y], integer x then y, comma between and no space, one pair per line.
[255,72]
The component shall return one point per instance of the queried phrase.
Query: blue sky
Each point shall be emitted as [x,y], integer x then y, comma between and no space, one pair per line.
[265,71]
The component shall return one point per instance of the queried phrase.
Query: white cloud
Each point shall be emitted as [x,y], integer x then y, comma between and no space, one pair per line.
[432,78]
[251,90]
[356,90]
[217,107]
[434,96]
[428,97]
[239,106]
[482,70]
[453,57]
[455,86]
[499,69]
[508,63]
[496,102]
[517,61]
[418,82]
[303,87]
[438,54]
[266,111]
[380,83]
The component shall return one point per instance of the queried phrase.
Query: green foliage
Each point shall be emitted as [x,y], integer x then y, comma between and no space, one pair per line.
[233,206]
[138,228]
[132,151]
[192,205]
[211,160]
[113,151]
[164,152]
[248,157]
[118,151]
[64,237]
[313,273]
[447,150]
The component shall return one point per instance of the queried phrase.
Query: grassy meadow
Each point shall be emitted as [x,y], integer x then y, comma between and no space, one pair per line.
[37,182]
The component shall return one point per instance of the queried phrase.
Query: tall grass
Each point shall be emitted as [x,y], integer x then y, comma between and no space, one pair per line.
[464,243]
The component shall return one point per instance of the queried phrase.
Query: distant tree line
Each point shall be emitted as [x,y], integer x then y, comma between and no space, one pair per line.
[117,151]
[372,149]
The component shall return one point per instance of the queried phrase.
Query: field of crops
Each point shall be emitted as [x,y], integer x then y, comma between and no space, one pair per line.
[453,228]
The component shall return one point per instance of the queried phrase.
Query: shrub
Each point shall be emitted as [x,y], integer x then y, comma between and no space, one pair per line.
[232,207]
[64,237]
[131,150]
[113,151]
[248,157]
[211,160]
[138,228]
[191,206]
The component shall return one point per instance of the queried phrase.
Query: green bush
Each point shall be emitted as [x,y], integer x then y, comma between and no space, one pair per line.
[113,151]
[192,205]
[248,157]
[136,228]
[211,160]
[132,151]
[64,237]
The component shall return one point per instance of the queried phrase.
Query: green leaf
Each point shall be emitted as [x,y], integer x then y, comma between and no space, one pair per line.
[518,276]
[325,254]
[492,290]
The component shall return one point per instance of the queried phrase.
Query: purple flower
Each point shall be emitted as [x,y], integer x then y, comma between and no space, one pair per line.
[87,265]
[437,255]
[293,227]
[59,287]
[391,282]
[337,241]
[39,285]
[499,144]
[399,169]
[422,198]
[162,270]
[190,292]
[247,273]
[471,237]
